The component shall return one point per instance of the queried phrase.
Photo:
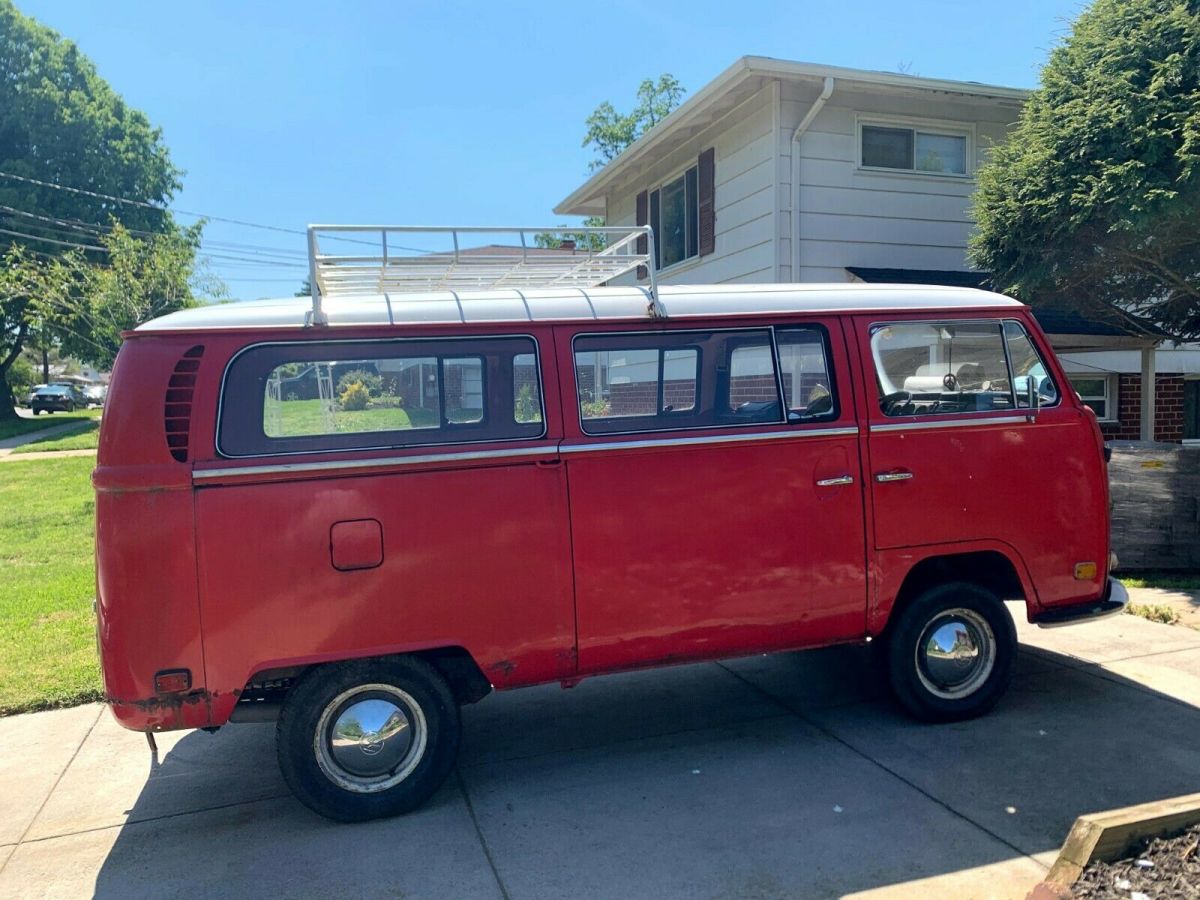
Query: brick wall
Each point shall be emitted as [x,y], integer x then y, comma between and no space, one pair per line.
[1168,409]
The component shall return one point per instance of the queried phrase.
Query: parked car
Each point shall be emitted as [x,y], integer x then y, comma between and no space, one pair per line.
[58,397]
[29,395]
[95,394]
[542,485]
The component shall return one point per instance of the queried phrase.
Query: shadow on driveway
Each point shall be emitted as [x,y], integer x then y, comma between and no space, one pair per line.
[776,776]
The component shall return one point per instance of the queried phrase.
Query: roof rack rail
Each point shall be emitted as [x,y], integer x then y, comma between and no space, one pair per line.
[394,266]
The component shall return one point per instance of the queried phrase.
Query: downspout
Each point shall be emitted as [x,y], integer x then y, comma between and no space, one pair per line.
[818,105]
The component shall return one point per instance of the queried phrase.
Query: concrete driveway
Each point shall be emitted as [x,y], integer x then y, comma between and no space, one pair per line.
[784,776]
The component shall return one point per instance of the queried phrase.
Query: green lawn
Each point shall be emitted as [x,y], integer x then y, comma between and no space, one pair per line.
[290,418]
[15,427]
[47,630]
[85,438]
[1172,581]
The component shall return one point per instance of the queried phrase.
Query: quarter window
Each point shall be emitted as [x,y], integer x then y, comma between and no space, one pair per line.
[914,150]
[320,396]
[804,371]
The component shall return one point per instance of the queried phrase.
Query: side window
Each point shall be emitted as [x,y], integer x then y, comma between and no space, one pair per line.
[631,382]
[808,388]
[664,381]
[935,368]
[1029,372]
[320,396]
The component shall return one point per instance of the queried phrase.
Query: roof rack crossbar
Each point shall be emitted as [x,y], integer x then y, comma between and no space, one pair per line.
[397,270]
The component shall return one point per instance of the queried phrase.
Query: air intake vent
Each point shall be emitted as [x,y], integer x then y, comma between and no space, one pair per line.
[177,414]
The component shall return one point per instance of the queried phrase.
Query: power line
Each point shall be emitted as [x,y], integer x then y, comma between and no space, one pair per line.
[63,225]
[34,237]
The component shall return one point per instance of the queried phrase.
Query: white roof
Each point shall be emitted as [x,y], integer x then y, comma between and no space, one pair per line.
[571,304]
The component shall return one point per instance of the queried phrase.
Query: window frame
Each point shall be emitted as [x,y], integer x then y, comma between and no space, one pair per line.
[367,444]
[999,323]
[820,328]
[1110,395]
[691,234]
[935,127]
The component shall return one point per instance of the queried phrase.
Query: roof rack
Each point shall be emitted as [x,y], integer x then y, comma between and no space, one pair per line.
[395,266]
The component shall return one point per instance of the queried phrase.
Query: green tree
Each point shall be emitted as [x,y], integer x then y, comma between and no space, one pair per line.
[61,124]
[305,289]
[1095,197]
[610,132]
[25,281]
[138,280]
[583,240]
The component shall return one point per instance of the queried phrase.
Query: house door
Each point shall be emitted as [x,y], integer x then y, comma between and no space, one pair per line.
[708,518]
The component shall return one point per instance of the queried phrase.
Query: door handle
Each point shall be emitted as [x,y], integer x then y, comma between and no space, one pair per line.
[893,476]
[831,482]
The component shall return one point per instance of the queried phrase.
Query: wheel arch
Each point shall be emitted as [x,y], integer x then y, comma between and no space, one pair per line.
[904,574]
[266,689]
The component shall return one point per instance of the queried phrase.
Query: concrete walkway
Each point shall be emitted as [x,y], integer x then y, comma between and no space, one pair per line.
[9,456]
[767,777]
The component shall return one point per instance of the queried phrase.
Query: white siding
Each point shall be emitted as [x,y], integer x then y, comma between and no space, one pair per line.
[745,198]
[852,217]
[848,216]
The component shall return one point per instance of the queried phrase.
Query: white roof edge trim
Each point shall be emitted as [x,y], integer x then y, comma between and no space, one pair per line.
[769,67]
[472,309]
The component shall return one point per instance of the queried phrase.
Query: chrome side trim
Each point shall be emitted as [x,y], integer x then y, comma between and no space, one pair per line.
[707,439]
[953,423]
[517,453]
[335,465]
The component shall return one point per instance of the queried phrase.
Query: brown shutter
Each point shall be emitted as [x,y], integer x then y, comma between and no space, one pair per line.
[643,217]
[707,165]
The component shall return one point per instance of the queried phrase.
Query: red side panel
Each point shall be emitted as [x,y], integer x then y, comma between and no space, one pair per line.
[148,609]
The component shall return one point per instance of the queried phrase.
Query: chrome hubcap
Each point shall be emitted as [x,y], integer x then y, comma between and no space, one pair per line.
[956,653]
[370,738]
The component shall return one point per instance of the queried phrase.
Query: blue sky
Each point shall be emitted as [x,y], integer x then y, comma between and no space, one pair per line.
[286,113]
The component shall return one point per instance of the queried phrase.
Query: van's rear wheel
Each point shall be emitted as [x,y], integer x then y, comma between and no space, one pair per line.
[368,739]
[951,653]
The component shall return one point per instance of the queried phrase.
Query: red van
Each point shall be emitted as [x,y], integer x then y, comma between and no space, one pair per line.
[357,526]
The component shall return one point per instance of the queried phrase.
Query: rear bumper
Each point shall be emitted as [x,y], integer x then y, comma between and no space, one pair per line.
[1112,603]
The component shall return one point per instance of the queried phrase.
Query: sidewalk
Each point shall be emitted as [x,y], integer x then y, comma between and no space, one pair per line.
[769,776]
[8,445]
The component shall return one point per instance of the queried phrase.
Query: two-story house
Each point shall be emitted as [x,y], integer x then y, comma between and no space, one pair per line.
[780,171]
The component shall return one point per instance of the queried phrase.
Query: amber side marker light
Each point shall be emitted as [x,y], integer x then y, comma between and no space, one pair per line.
[172,681]
[1085,571]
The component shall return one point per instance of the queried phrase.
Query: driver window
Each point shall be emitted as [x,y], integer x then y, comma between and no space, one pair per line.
[938,368]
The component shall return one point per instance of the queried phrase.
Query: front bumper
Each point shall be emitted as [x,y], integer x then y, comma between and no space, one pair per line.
[1112,603]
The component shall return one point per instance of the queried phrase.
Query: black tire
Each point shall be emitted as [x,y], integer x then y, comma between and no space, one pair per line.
[952,684]
[325,696]
[37,412]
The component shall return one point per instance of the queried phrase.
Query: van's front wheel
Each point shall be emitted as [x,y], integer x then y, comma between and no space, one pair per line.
[951,653]
[368,739]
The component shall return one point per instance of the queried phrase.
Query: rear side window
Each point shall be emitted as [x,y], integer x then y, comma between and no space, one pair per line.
[654,382]
[324,396]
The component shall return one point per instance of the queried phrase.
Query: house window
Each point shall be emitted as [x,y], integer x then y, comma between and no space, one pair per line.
[914,149]
[674,215]
[1095,391]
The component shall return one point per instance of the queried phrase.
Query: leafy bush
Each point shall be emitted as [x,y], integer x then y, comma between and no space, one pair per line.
[355,396]
[369,380]
[527,408]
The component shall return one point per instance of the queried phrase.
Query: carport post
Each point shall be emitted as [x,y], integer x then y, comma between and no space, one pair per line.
[1148,393]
